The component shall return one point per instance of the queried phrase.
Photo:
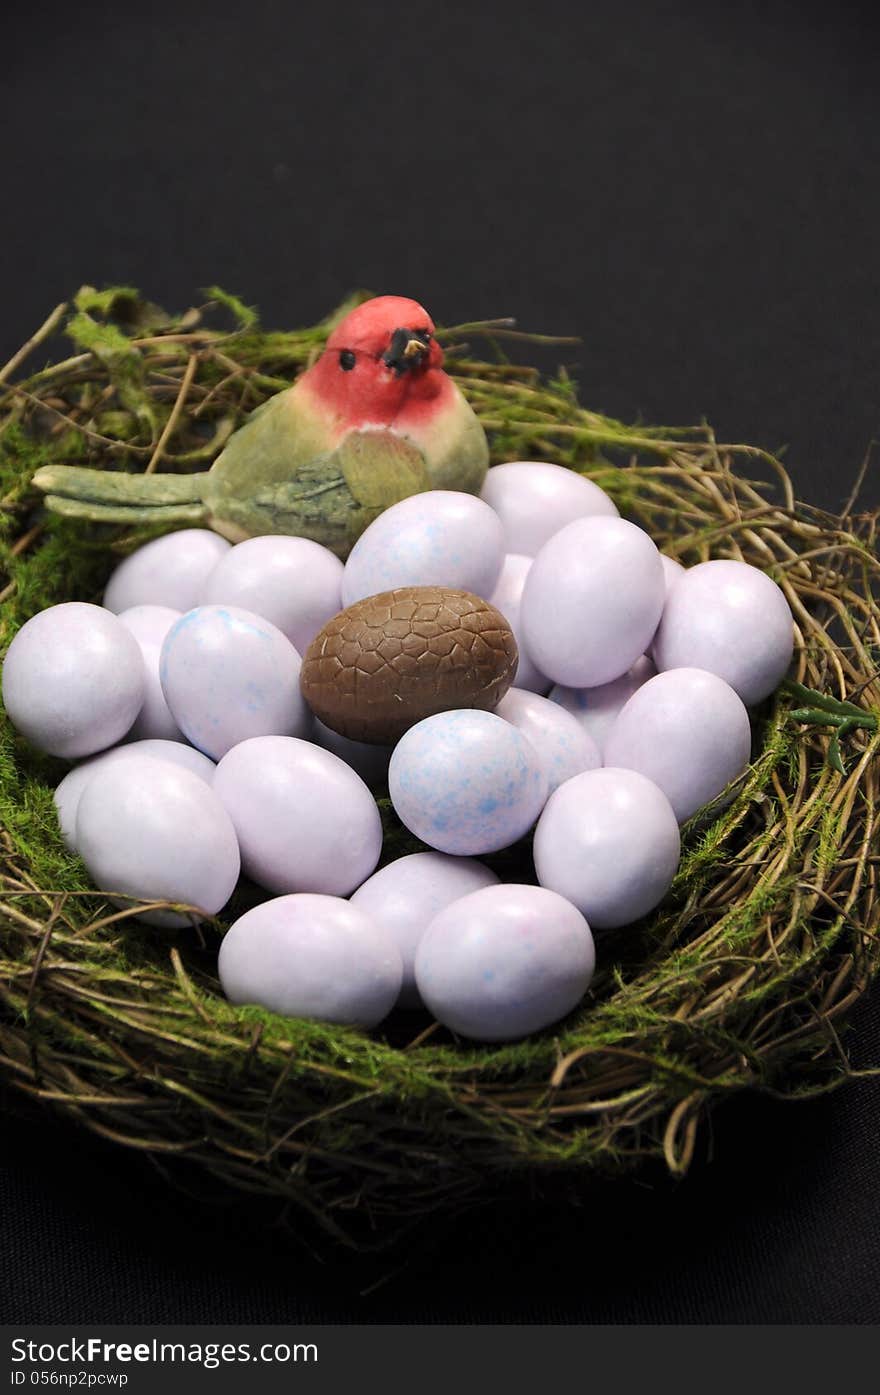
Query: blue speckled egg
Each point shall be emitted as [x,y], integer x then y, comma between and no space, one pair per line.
[438,538]
[505,961]
[467,782]
[229,675]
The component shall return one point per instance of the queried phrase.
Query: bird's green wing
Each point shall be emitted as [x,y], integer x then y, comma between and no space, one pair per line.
[381,468]
[330,498]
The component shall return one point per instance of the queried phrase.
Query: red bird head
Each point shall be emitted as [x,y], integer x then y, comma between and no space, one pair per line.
[382,366]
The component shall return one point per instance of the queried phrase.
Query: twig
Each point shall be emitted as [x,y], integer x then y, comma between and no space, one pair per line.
[50,323]
[858,482]
[174,414]
[77,426]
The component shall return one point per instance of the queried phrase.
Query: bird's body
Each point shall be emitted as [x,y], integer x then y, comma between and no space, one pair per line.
[373,420]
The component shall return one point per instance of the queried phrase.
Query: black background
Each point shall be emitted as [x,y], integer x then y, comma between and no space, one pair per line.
[694,190]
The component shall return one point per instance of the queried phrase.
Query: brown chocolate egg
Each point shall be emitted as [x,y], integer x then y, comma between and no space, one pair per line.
[387,661]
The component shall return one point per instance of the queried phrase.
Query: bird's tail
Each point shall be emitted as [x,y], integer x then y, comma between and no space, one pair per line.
[105,496]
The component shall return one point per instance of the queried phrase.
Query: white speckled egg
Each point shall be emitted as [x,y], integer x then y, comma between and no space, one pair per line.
[437,538]
[687,731]
[228,675]
[731,619]
[505,961]
[153,830]
[405,895]
[150,624]
[534,500]
[294,582]
[608,841]
[311,956]
[565,748]
[506,598]
[368,761]
[466,782]
[67,793]
[305,821]
[73,680]
[592,601]
[597,708]
[170,571]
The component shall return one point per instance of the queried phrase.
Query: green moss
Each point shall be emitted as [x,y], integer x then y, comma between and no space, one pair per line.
[116,302]
[245,315]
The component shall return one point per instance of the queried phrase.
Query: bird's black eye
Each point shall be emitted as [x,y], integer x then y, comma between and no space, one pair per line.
[346,360]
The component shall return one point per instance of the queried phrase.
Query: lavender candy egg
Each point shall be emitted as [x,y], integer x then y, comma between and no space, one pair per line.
[305,821]
[169,571]
[294,582]
[152,830]
[592,601]
[228,675]
[534,500]
[366,760]
[608,841]
[672,570]
[68,792]
[505,961]
[311,956]
[405,895]
[506,598]
[437,538]
[688,732]
[596,708]
[731,619]
[466,782]
[150,624]
[73,680]
[563,745]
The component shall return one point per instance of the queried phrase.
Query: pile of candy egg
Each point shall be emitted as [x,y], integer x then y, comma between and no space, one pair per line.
[184,701]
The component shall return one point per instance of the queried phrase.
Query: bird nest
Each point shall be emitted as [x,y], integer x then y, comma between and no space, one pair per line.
[740,980]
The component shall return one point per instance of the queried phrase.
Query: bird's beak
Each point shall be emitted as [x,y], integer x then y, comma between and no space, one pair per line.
[407,350]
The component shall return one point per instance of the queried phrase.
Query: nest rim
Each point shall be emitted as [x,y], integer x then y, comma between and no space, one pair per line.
[739,981]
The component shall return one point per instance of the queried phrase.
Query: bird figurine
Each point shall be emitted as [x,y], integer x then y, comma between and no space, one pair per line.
[372,421]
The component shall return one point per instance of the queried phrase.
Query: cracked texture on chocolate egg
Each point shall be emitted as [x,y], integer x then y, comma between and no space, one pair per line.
[392,659]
